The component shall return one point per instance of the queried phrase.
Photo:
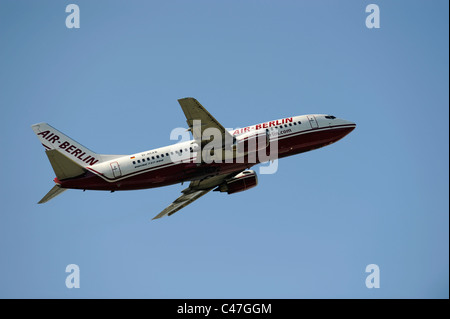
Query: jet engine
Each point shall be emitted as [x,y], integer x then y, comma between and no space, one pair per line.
[238,183]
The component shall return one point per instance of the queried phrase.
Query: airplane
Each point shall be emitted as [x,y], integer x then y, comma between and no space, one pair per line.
[77,167]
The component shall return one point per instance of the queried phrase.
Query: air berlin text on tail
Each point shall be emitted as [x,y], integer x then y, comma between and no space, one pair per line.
[69,148]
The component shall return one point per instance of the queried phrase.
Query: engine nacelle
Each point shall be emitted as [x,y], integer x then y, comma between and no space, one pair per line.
[240,182]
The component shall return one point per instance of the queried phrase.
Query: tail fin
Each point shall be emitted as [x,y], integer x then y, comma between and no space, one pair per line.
[55,191]
[52,139]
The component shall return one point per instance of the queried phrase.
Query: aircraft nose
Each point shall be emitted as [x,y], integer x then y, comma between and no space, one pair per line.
[353,124]
[343,129]
[349,123]
[347,126]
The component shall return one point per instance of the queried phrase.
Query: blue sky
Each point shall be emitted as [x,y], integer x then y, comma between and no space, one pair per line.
[379,196]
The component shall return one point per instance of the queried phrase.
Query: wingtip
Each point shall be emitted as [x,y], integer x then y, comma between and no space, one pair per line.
[186,98]
[157,217]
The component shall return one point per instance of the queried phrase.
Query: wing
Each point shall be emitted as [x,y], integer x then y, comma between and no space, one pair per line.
[181,202]
[195,190]
[194,111]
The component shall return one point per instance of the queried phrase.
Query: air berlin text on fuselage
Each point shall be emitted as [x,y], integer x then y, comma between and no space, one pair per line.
[263,125]
[69,148]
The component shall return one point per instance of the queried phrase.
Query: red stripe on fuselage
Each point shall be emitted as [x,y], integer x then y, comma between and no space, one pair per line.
[172,173]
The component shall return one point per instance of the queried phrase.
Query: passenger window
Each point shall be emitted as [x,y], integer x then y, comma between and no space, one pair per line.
[139,161]
[148,159]
[157,156]
[299,122]
[167,154]
[134,162]
[290,124]
[162,155]
[153,157]
[143,160]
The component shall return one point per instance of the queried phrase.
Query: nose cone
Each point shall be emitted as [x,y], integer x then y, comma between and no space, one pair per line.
[343,128]
[345,122]
[348,125]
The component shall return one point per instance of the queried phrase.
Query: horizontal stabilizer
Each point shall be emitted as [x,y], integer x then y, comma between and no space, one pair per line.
[55,191]
[63,166]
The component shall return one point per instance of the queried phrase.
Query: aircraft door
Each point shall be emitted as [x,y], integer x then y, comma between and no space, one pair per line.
[312,121]
[116,169]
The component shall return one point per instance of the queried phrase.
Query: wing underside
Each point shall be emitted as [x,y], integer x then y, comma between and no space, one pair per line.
[195,190]
[181,202]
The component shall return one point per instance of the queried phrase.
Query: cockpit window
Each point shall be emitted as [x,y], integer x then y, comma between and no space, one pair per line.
[330,117]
